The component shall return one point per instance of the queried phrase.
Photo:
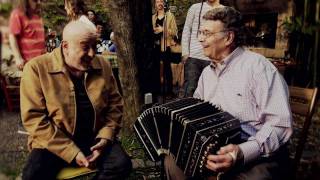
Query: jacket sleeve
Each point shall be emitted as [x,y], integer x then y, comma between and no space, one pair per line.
[35,117]
[113,112]
[172,25]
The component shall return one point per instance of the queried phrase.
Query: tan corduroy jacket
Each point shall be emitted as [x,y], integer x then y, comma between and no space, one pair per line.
[170,29]
[48,106]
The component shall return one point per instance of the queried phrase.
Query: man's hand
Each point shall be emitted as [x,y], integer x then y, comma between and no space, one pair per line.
[96,150]
[184,59]
[224,160]
[81,160]
[19,63]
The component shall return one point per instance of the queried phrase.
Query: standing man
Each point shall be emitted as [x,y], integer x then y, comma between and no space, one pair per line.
[71,107]
[27,35]
[192,52]
[249,87]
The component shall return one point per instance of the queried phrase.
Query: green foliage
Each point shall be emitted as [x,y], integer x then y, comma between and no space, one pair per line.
[132,146]
[297,25]
[5,9]
[55,17]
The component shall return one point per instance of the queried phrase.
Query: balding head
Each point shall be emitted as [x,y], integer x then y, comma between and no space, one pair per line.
[78,29]
[78,45]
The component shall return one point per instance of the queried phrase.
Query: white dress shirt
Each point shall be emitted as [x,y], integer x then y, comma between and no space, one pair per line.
[249,87]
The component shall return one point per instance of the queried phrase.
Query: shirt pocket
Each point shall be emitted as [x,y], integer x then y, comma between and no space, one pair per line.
[239,101]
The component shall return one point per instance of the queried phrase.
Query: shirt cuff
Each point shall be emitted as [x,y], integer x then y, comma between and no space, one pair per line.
[250,150]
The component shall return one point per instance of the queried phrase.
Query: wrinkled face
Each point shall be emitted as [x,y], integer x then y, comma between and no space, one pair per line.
[159,5]
[90,15]
[35,5]
[212,36]
[80,52]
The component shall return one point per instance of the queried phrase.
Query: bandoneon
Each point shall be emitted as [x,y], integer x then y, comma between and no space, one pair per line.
[188,129]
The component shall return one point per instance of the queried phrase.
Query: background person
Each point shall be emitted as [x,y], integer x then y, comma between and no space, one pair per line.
[164,29]
[92,16]
[27,35]
[192,51]
[76,10]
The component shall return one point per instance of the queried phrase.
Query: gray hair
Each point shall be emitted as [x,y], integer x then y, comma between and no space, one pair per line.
[232,21]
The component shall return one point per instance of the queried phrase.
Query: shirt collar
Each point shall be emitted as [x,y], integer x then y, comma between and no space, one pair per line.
[227,60]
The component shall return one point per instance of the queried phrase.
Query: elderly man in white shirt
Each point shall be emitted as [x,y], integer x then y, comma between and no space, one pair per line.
[249,87]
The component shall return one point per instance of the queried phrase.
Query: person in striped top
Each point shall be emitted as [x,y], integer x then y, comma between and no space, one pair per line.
[27,36]
[192,52]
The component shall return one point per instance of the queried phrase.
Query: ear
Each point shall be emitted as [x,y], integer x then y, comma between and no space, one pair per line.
[229,38]
[64,44]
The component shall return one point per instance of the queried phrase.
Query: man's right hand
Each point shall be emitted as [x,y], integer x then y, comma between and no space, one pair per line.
[81,160]
[184,59]
[19,63]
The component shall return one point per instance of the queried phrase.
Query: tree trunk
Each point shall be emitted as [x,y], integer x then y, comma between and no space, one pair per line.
[131,24]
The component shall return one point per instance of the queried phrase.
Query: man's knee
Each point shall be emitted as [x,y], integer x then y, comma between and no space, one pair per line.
[116,165]
[173,172]
[42,164]
[32,171]
[124,164]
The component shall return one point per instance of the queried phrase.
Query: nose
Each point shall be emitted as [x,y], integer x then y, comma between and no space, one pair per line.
[200,37]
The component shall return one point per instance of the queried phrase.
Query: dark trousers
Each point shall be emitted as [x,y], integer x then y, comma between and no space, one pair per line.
[276,167]
[167,77]
[192,71]
[113,163]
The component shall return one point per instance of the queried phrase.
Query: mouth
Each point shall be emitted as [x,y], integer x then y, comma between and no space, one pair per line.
[204,46]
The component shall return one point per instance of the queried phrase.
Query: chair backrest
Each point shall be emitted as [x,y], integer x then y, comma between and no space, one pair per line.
[302,102]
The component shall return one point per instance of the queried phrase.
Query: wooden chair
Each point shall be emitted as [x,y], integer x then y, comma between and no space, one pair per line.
[11,93]
[302,102]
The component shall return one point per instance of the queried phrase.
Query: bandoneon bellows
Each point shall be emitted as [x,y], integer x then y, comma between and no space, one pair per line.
[188,129]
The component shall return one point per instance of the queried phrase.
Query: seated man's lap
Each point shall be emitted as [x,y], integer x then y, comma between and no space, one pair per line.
[113,162]
[275,167]
[42,163]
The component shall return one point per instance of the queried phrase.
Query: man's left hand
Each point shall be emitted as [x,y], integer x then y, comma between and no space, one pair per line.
[96,150]
[225,158]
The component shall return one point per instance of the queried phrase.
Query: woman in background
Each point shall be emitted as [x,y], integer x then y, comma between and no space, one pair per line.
[26,32]
[164,29]
[76,10]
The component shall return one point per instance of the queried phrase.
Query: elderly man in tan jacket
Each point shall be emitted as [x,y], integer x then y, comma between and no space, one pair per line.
[72,109]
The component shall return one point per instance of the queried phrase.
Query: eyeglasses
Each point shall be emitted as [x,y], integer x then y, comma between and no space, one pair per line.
[207,34]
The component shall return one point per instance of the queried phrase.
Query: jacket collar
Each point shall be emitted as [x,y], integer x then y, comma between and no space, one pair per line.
[58,64]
